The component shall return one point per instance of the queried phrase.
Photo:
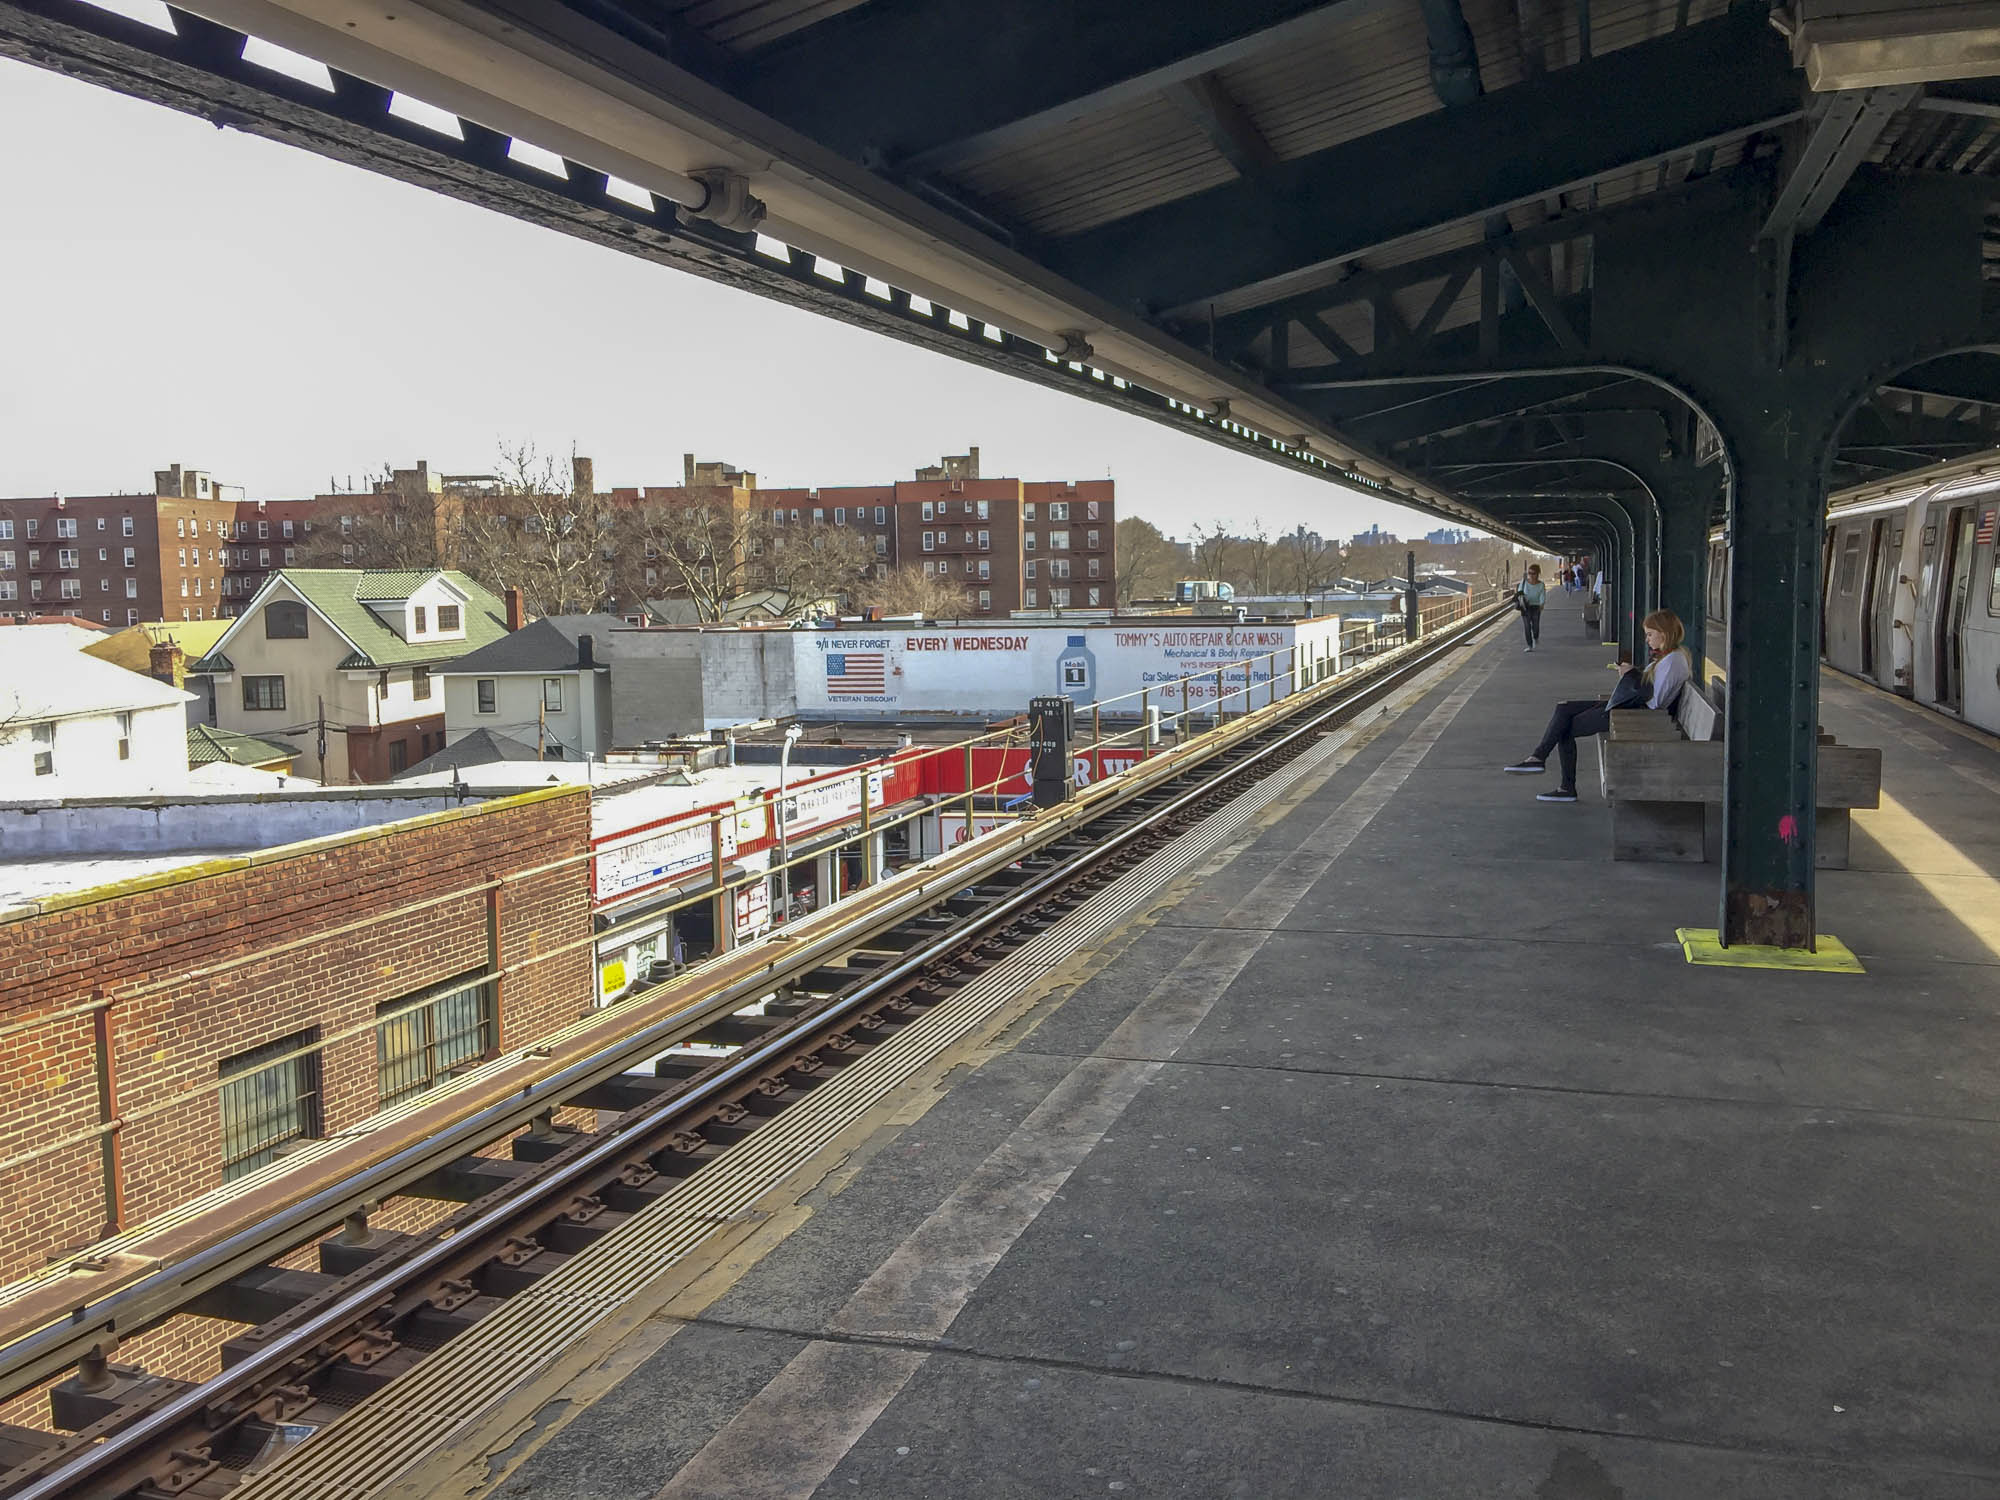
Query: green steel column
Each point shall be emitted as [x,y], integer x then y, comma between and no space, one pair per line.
[1772,720]
[1684,562]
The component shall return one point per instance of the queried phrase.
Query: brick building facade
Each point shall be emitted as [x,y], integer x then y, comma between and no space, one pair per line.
[191,549]
[195,550]
[220,972]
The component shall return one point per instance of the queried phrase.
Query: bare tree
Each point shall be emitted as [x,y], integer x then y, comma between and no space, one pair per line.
[1146,561]
[911,591]
[539,533]
[400,523]
[705,549]
[1213,545]
[1308,562]
[1256,555]
[815,564]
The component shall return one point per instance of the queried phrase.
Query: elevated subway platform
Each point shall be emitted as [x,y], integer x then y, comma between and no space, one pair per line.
[1401,1155]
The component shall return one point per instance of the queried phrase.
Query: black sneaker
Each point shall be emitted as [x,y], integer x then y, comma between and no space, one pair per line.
[1560,794]
[1525,768]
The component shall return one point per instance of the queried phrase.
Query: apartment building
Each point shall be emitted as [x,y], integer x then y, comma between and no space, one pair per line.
[189,549]
[266,535]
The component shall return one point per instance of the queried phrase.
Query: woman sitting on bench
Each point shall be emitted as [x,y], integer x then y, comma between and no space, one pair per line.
[1659,686]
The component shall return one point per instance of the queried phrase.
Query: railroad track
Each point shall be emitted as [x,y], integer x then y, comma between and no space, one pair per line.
[379,1304]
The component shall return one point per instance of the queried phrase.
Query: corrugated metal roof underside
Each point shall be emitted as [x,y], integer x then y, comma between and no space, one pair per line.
[1356,77]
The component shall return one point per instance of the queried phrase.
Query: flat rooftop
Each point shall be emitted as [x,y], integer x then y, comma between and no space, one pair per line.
[56,848]
[1401,1154]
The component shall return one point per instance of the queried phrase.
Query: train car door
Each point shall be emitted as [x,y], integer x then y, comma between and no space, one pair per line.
[1955,587]
[1891,668]
[1982,620]
[1825,587]
[1877,534]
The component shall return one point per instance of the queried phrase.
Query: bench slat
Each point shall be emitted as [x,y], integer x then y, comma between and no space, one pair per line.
[1643,724]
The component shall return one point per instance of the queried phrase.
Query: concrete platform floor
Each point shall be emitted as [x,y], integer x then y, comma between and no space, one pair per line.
[1406,1157]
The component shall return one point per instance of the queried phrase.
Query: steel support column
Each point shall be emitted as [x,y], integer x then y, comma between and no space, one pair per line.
[1685,514]
[1772,714]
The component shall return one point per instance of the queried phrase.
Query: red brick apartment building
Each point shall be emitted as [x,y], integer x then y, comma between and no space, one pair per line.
[1011,544]
[191,549]
[184,1003]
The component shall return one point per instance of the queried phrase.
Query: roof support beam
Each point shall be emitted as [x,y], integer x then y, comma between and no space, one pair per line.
[1207,104]
[1844,127]
[1719,80]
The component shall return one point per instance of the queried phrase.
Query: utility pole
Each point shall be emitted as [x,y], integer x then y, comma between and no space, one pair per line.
[541,725]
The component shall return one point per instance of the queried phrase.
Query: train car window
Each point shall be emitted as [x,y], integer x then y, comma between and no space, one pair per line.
[1850,563]
[1989,522]
[1718,581]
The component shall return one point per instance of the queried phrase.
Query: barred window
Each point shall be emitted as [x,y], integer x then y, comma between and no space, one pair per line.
[270,1095]
[419,1040]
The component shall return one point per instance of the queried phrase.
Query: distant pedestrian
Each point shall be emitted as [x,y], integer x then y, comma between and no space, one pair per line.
[1660,686]
[1531,596]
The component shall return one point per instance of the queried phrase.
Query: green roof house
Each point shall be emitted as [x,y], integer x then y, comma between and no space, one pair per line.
[339,660]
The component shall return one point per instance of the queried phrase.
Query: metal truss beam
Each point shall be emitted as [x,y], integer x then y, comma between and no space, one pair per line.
[932,85]
[1446,275]
[1720,80]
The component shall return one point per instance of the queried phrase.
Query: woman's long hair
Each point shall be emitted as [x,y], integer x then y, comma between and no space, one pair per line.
[1669,625]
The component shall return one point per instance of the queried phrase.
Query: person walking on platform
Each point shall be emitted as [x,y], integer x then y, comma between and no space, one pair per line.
[1659,686]
[1532,596]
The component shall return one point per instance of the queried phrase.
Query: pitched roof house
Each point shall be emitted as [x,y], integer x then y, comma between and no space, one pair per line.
[339,660]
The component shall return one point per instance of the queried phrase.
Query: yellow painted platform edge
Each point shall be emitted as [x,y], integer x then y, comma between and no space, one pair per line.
[1703,945]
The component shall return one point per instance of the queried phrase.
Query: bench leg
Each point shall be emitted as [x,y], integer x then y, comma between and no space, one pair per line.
[1832,826]
[1660,832]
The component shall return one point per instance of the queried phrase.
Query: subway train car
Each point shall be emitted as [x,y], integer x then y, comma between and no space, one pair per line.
[1911,583]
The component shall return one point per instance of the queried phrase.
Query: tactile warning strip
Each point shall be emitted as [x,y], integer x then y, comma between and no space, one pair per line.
[451,1390]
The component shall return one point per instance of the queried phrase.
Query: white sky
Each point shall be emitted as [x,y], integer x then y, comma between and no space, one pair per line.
[179,293]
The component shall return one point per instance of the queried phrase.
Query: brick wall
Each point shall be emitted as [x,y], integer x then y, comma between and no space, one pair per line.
[166,951]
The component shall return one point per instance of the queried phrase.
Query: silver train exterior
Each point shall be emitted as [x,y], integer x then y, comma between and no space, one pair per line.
[1910,589]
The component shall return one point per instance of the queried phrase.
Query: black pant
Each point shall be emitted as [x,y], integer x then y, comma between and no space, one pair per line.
[1571,722]
[1531,622]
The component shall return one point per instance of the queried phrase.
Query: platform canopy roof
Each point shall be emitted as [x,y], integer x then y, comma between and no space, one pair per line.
[1199,211]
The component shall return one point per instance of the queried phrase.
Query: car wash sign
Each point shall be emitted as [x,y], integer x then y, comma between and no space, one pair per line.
[996,669]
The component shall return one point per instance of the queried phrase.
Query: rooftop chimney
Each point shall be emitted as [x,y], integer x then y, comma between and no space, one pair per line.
[163,663]
[586,653]
[583,476]
[517,610]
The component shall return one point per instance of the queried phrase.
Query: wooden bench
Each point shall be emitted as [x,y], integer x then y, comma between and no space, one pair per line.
[1662,776]
[1590,615]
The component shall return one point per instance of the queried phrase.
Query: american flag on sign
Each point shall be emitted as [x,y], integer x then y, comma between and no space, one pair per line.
[853,674]
[1986,520]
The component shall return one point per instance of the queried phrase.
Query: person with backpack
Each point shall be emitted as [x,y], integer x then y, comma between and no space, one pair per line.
[1660,686]
[1529,599]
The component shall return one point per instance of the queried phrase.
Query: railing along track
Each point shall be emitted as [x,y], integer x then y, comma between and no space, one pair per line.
[347,1335]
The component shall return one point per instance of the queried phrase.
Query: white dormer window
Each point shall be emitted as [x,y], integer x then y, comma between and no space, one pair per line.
[417,618]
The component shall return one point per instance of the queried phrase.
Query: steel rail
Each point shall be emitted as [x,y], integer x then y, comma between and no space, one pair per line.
[230,1256]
